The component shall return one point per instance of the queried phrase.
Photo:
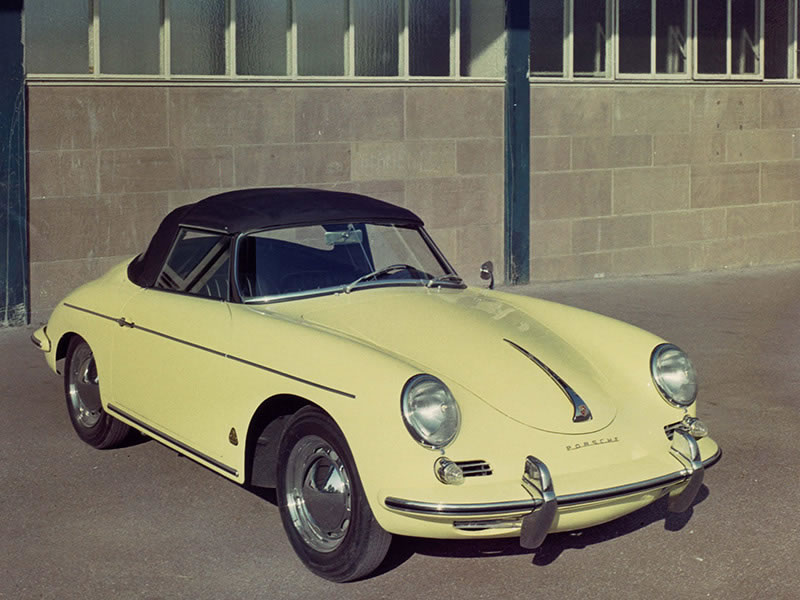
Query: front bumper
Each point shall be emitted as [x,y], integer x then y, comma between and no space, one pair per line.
[40,340]
[534,517]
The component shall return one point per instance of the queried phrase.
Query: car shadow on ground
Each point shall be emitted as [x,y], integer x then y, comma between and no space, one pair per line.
[403,548]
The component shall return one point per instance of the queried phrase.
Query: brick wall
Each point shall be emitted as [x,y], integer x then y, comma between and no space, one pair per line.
[662,179]
[106,163]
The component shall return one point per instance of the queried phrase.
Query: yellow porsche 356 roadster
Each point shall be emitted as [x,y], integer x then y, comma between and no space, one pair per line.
[319,343]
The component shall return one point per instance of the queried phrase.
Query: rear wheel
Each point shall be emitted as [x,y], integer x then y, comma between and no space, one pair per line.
[81,387]
[322,503]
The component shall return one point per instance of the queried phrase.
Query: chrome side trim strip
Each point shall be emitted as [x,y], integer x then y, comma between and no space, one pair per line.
[500,508]
[581,411]
[122,322]
[187,449]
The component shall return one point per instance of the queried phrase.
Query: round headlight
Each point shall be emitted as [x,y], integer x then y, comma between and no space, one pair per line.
[430,412]
[674,375]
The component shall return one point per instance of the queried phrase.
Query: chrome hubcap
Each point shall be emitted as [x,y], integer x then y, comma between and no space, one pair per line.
[83,388]
[318,493]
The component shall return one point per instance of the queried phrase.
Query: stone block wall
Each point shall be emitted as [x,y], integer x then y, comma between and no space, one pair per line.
[106,163]
[663,179]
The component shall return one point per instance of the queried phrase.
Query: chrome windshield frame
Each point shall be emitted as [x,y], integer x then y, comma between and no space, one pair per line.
[340,289]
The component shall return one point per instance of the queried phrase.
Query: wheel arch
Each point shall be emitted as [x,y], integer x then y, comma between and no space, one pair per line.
[264,435]
[62,346]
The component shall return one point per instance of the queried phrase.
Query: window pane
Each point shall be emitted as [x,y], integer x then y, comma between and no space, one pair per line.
[197,264]
[776,39]
[377,28]
[744,52]
[589,39]
[482,38]
[547,38]
[320,36]
[671,36]
[429,37]
[129,36]
[197,33]
[635,27]
[261,37]
[57,36]
[711,36]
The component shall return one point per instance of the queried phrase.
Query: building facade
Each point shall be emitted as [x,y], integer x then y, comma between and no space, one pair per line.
[655,136]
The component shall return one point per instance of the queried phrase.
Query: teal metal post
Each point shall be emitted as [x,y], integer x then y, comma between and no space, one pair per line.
[518,143]
[14,301]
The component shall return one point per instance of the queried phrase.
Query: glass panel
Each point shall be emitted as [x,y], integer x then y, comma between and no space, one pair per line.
[711,36]
[197,264]
[377,27]
[744,39]
[429,37]
[308,259]
[776,39]
[197,33]
[261,37]
[547,38]
[635,25]
[483,42]
[129,36]
[320,36]
[589,39]
[56,36]
[671,36]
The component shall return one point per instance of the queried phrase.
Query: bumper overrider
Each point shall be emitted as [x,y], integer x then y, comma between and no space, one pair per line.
[544,503]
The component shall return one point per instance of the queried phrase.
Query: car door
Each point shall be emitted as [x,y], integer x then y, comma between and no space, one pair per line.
[169,357]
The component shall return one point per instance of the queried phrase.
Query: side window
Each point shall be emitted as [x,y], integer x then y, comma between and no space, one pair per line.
[197,264]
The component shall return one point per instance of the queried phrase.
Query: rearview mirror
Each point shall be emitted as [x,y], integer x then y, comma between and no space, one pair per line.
[487,272]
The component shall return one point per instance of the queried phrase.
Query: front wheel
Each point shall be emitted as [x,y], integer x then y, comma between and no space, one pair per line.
[322,504]
[82,389]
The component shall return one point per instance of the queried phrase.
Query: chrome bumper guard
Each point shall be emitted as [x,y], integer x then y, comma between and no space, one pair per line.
[544,502]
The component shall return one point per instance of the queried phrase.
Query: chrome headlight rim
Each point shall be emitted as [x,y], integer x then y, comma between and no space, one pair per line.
[655,372]
[452,413]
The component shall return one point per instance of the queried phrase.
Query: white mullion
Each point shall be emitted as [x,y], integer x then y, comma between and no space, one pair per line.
[760,33]
[569,20]
[728,42]
[293,62]
[94,38]
[230,39]
[689,43]
[350,42]
[405,40]
[608,35]
[615,72]
[653,30]
[166,40]
[792,37]
[455,38]
[694,74]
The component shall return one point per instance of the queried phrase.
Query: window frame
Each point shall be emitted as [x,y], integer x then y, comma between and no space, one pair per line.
[568,48]
[653,75]
[729,75]
[180,234]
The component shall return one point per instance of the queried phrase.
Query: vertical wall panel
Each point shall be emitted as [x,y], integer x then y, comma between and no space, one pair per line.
[13,206]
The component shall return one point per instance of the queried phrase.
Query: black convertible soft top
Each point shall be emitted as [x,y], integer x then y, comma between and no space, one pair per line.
[262,208]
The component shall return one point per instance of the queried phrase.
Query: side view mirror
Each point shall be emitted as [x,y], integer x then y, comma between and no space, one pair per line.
[487,272]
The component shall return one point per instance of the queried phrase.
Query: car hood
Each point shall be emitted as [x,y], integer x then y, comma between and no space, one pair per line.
[509,358]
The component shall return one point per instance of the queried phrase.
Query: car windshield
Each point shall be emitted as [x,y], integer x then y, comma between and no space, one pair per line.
[281,263]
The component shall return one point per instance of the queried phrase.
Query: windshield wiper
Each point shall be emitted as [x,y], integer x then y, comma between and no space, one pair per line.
[377,273]
[445,279]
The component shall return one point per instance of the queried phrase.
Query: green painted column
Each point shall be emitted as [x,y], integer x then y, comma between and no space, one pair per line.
[14,300]
[518,143]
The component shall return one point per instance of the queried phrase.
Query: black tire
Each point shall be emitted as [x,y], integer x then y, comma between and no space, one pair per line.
[322,504]
[92,424]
